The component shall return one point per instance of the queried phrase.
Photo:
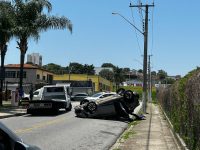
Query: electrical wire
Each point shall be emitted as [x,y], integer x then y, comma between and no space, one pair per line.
[141,14]
[152,40]
[135,30]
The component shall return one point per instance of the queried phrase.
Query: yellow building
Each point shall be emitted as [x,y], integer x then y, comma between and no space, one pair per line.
[98,83]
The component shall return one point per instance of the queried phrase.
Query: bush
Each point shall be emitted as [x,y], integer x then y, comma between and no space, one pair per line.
[181,102]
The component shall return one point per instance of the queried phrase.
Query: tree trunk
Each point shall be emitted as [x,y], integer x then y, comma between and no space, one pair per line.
[21,73]
[2,75]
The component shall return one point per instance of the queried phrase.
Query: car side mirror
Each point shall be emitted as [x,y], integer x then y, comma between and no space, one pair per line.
[19,146]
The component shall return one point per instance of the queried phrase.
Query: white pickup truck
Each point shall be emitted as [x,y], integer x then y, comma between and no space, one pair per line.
[51,97]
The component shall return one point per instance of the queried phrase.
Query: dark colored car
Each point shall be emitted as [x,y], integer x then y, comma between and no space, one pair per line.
[118,105]
[10,141]
[79,96]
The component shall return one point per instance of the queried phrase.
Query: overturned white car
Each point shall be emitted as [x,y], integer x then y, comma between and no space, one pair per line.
[119,105]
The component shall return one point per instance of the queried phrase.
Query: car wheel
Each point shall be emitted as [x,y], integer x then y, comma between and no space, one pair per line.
[121,91]
[91,107]
[69,108]
[83,102]
[128,95]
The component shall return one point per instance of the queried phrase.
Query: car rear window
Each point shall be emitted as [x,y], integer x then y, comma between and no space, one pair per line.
[55,89]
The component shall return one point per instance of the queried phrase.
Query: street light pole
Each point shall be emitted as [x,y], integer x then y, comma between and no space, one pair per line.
[145,53]
[145,34]
[115,13]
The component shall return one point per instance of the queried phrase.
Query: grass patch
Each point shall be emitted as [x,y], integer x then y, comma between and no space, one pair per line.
[127,135]
[133,123]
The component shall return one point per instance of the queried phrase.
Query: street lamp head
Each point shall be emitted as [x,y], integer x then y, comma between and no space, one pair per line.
[114,13]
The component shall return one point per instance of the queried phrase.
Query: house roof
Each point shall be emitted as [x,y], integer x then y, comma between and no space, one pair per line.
[26,66]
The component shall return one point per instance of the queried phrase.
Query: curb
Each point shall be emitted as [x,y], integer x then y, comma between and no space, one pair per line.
[12,115]
[116,143]
[180,141]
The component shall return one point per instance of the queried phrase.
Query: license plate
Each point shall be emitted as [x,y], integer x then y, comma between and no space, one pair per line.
[41,105]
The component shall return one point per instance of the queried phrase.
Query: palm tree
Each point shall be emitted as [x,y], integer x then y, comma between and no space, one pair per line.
[6,25]
[30,20]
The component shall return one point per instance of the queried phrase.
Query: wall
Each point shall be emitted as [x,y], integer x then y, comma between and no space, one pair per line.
[100,84]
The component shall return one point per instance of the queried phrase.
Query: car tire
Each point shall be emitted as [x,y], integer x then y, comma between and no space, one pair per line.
[121,91]
[69,108]
[128,95]
[91,107]
[83,102]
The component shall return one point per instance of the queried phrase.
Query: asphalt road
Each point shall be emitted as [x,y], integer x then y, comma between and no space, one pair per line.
[66,132]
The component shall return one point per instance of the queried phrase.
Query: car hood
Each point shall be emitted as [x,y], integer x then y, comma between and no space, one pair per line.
[91,98]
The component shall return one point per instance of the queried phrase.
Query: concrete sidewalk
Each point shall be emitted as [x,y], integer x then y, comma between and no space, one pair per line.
[153,133]
[6,112]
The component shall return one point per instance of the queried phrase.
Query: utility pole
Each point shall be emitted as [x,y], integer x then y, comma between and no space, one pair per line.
[149,79]
[144,94]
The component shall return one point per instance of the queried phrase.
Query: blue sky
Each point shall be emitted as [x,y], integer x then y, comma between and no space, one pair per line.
[100,37]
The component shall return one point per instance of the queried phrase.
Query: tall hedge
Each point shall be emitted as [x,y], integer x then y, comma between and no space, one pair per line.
[181,102]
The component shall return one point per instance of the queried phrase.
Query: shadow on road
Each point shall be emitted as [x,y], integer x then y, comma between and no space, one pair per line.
[44,113]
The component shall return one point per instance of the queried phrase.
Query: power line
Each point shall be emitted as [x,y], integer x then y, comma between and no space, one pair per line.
[135,30]
[152,42]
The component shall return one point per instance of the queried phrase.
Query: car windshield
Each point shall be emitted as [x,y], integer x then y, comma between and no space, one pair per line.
[96,95]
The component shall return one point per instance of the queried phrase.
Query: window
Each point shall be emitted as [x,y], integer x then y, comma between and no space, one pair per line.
[36,93]
[24,74]
[55,89]
[43,78]
[10,74]
[38,76]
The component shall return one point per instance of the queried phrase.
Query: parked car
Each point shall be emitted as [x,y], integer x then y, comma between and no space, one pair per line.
[36,96]
[79,96]
[51,97]
[97,96]
[10,141]
[118,105]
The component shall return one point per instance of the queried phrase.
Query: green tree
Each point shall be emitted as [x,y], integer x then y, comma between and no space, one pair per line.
[75,68]
[126,70]
[6,25]
[107,74]
[140,71]
[30,21]
[161,74]
[88,69]
[53,68]
[119,76]
[153,73]
[108,65]
[169,81]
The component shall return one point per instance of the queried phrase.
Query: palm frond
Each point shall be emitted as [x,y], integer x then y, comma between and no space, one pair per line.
[40,4]
[6,21]
[45,22]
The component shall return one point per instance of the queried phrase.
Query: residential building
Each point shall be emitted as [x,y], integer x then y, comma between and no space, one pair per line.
[34,58]
[133,83]
[33,75]
[133,75]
